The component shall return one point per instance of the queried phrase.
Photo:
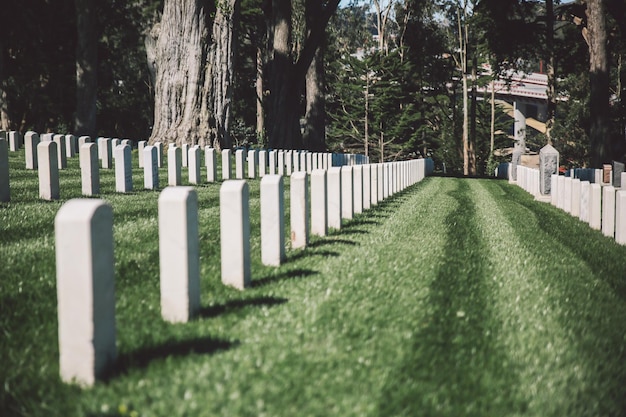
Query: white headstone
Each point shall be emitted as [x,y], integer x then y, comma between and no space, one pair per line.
[150,168]
[48,171]
[127,142]
[31,140]
[252,162]
[381,181]
[560,188]
[179,254]
[159,148]
[193,162]
[115,142]
[185,154]
[575,197]
[106,153]
[210,160]
[319,205]
[595,213]
[620,216]
[89,169]
[367,186]
[5,192]
[85,290]
[347,192]
[272,162]
[374,184]
[62,159]
[333,186]
[227,170]
[281,162]
[554,189]
[303,166]
[272,220]
[357,172]
[174,164]
[288,162]
[299,213]
[567,195]
[140,147]
[240,158]
[585,201]
[15,141]
[309,162]
[608,211]
[123,169]
[235,234]
[262,163]
[296,161]
[70,146]
[548,166]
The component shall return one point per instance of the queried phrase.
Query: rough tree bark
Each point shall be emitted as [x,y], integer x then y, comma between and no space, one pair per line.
[5,121]
[599,83]
[221,70]
[86,68]
[182,87]
[314,137]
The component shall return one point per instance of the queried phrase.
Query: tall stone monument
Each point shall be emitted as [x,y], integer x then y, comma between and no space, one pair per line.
[548,165]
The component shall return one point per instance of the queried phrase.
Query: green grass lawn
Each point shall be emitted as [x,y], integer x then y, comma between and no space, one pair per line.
[453,298]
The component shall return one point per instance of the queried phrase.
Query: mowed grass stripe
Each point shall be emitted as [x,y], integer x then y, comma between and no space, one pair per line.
[564,318]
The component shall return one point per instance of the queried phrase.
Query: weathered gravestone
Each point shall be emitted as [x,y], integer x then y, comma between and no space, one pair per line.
[235,234]
[548,166]
[123,169]
[31,140]
[5,194]
[272,220]
[89,169]
[333,186]
[299,213]
[174,164]
[179,254]
[85,290]
[606,173]
[618,169]
[319,207]
[48,171]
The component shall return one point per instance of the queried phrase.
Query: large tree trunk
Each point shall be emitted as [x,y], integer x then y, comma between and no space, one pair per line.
[284,109]
[260,111]
[86,68]
[599,83]
[221,66]
[471,151]
[286,76]
[183,84]
[314,131]
[5,121]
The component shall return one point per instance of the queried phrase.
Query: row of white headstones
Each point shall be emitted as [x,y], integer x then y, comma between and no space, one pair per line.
[50,155]
[599,204]
[85,258]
